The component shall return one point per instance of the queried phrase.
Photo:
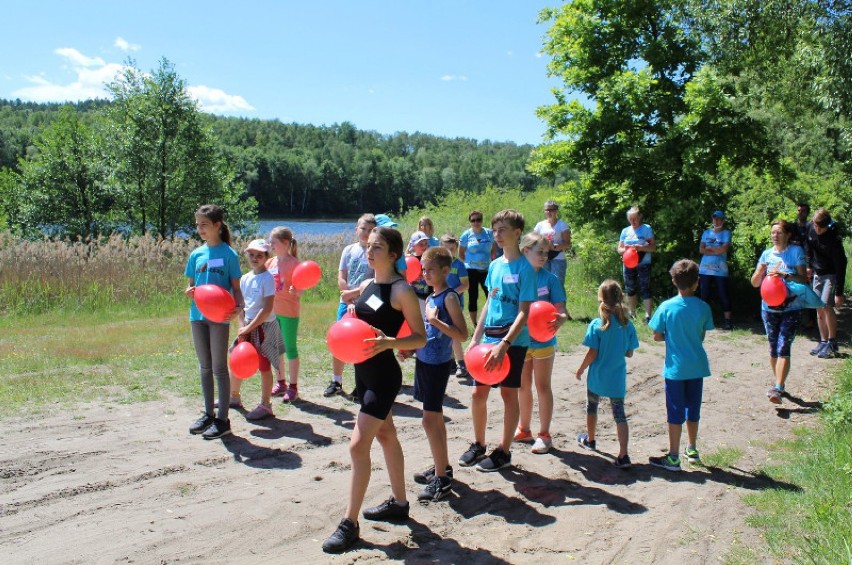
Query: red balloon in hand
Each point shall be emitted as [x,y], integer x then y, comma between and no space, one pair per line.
[630,258]
[474,360]
[214,302]
[345,339]
[542,315]
[306,275]
[413,268]
[244,360]
[773,291]
[404,330]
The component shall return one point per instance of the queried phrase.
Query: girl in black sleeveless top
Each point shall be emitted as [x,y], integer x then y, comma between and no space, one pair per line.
[385,302]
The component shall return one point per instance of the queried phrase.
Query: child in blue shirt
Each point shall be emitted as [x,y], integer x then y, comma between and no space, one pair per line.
[511,290]
[459,282]
[611,338]
[682,322]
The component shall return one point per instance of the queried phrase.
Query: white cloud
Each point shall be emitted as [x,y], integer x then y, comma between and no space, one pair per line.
[217,101]
[125,45]
[92,73]
[454,77]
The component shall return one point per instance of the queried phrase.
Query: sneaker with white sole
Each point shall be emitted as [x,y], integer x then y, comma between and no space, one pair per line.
[496,460]
[542,444]
[623,462]
[523,436]
[201,424]
[474,454]
[219,428]
[425,477]
[437,489]
[260,412]
[333,388]
[692,455]
[666,462]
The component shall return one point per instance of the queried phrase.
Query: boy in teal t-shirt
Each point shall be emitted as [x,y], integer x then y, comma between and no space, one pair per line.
[503,323]
[682,322]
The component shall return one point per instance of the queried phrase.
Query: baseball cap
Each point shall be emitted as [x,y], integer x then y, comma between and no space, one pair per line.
[417,237]
[384,221]
[718,214]
[258,245]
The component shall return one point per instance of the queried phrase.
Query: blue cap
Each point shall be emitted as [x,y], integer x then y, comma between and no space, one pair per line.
[384,221]
[718,214]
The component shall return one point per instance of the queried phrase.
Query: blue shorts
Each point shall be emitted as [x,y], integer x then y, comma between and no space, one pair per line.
[641,276]
[780,331]
[683,400]
[430,384]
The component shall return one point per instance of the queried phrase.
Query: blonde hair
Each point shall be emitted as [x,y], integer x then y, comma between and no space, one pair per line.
[611,299]
[533,239]
[285,234]
[426,221]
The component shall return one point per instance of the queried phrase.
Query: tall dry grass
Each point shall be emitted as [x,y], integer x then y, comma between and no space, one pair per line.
[40,275]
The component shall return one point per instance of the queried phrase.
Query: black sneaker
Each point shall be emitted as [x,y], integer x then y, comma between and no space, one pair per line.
[333,388]
[474,454]
[438,488]
[496,460]
[461,372]
[728,325]
[343,537]
[387,511]
[217,429]
[201,424]
[623,462]
[425,477]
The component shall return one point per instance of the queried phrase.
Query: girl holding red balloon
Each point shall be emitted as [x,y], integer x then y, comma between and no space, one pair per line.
[635,245]
[286,307]
[385,302]
[780,309]
[259,328]
[213,265]
[547,314]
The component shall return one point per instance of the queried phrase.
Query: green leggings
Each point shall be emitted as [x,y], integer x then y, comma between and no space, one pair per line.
[289,330]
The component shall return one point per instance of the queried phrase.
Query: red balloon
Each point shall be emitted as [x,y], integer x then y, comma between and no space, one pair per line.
[630,258]
[244,360]
[404,330]
[214,302]
[413,268]
[773,291]
[474,360]
[345,339]
[542,313]
[306,275]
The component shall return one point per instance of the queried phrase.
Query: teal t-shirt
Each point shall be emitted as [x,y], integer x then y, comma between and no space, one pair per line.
[217,265]
[684,321]
[509,284]
[549,289]
[785,261]
[714,265]
[608,372]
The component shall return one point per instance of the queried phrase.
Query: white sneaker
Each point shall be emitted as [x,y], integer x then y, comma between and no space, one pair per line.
[542,445]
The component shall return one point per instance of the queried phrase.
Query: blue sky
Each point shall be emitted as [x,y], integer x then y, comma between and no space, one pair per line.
[450,68]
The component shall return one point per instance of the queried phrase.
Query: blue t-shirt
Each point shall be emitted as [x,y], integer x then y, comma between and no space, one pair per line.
[217,265]
[549,289]
[457,272]
[434,241]
[439,346]
[639,236]
[508,284]
[477,248]
[683,321]
[786,261]
[715,265]
[608,372]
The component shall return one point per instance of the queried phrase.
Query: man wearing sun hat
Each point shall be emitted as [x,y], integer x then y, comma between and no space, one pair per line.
[713,271]
[385,221]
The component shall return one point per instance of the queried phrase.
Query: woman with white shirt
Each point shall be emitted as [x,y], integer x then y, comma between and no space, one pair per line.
[559,235]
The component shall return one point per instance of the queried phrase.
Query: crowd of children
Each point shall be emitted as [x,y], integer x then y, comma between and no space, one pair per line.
[507,265]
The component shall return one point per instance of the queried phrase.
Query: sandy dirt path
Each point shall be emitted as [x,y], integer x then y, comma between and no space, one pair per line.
[128,484]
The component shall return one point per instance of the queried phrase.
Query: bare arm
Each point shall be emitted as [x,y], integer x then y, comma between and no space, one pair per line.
[458,329]
[590,357]
[659,337]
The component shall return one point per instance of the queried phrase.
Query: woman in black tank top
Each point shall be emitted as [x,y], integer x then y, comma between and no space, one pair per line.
[385,302]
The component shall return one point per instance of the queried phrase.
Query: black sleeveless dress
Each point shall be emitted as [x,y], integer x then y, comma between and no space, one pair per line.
[379,379]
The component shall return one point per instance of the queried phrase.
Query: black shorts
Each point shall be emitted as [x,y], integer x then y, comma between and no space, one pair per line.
[430,384]
[517,355]
[377,381]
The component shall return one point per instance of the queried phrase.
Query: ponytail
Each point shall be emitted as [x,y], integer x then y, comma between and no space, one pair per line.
[285,234]
[611,300]
[225,233]
[216,214]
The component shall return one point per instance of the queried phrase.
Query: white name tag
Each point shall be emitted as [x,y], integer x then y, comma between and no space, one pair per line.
[542,291]
[374,302]
[273,271]
[511,278]
[216,262]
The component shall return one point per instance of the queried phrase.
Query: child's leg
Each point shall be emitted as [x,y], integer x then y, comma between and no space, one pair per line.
[509,392]
[436,433]
[458,354]
[675,431]
[694,397]
[691,433]
[542,371]
[366,428]
[592,401]
[266,379]
[787,332]
[219,355]
[620,418]
[394,458]
[201,340]
[676,408]
[525,397]
[289,332]
[479,411]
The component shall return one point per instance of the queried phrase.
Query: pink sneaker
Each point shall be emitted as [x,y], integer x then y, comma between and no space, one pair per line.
[279,388]
[260,412]
[291,394]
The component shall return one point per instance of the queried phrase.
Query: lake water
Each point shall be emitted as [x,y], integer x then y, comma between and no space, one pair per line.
[308,227]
